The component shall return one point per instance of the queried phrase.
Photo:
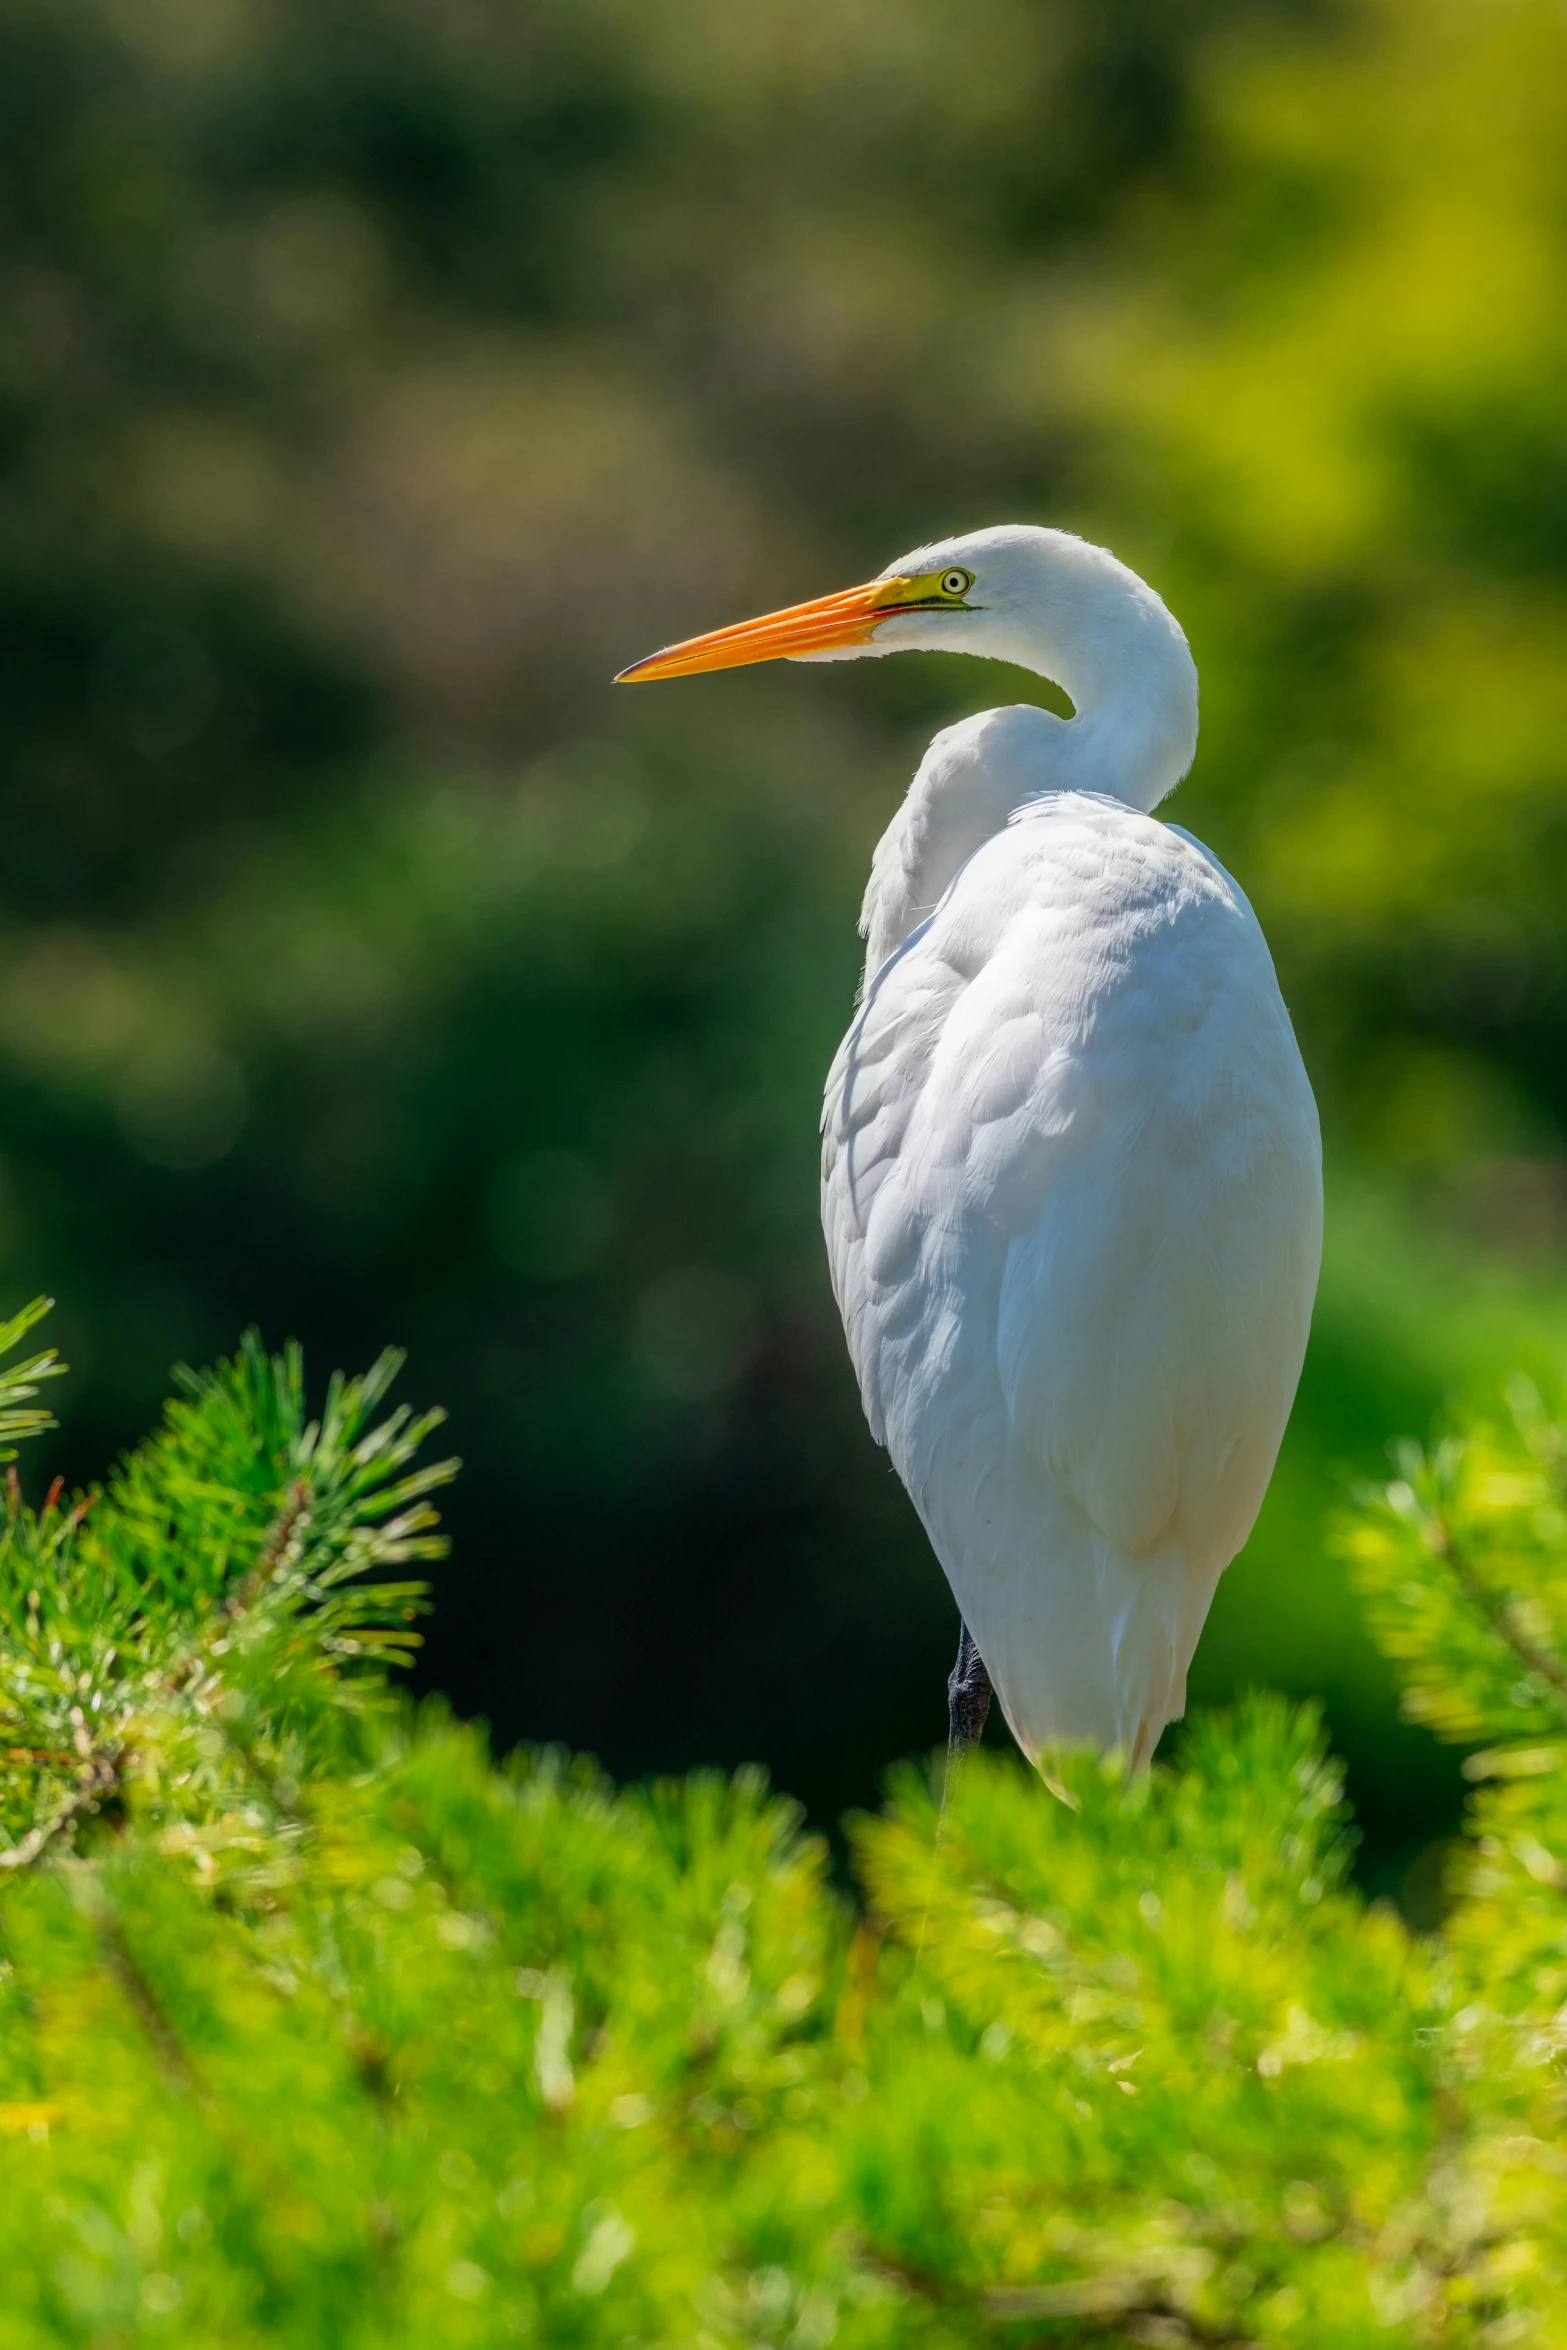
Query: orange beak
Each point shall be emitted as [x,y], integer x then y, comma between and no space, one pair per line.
[830,623]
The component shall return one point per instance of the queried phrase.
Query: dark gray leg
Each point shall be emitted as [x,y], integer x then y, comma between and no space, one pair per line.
[968,1699]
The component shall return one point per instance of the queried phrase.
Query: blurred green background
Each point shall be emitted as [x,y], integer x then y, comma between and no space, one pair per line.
[378,376]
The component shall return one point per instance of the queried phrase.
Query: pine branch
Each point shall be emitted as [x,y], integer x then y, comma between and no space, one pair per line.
[220,1586]
[1497,1610]
[1462,1560]
[97,1778]
[19,1383]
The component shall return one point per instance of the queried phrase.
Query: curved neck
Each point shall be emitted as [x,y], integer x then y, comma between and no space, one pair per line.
[1133,684]
[1070,612]
[1135,750]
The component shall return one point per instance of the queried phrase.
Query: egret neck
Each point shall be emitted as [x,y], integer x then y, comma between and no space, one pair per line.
[1039,599]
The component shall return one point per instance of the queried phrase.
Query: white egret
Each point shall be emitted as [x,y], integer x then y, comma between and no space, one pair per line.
[1071,1168]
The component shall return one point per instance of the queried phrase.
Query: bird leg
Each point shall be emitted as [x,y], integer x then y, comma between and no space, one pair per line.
[968,1700]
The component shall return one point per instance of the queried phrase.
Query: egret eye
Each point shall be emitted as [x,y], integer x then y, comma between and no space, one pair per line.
[956,583]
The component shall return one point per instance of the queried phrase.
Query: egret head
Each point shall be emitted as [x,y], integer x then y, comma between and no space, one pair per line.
[932,600]
[1042,598]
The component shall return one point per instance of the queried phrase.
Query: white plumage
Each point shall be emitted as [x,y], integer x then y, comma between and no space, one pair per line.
[1071,1170]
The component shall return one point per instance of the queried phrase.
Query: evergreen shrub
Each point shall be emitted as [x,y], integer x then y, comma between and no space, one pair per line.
[319,2026]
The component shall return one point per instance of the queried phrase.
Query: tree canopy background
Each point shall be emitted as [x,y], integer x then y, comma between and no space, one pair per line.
[377,377]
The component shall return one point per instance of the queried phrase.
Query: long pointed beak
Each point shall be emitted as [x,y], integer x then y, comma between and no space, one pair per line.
[849,618]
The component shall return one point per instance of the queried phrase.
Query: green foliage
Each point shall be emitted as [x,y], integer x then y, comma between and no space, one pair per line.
[1484,1645]
[1463,1560]
[19,1382]
[319,2027]
[1172,2066]
[217,1578]
[315,2026]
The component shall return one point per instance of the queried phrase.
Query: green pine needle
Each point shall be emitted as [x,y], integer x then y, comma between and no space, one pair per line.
[19,1382]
